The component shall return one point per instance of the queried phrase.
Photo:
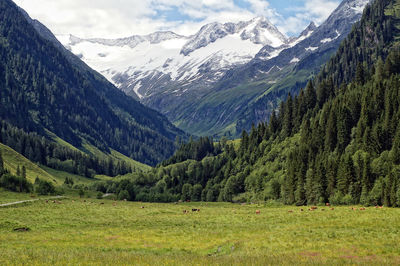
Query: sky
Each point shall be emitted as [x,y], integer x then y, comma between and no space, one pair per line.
[123,18]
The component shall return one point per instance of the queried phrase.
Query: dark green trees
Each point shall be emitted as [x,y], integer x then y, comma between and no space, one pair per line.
[41,91]
[337,141]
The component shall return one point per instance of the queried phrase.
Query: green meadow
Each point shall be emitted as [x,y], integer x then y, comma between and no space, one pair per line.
[87,231]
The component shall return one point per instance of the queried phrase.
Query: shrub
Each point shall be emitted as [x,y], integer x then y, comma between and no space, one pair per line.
[14,183]
[123,194]
[45,188]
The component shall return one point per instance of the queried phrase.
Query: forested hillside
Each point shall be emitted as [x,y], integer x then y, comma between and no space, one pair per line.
[41,92]
[337,141]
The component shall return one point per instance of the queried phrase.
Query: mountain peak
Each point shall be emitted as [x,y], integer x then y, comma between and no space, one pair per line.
[259,30]
[310,28]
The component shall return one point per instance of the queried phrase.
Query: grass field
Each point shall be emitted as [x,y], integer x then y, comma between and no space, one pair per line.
[77,232]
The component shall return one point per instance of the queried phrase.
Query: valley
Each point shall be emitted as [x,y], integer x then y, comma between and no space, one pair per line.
[260,148]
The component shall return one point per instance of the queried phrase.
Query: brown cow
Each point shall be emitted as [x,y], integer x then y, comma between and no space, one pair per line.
[327,204]
[362,209]
[290,211]
[332,209]
[314,207]
[258,211]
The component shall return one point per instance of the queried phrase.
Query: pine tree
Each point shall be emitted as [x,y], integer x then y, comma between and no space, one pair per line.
[287,125]
[18,173]
[1,163]
[23,172]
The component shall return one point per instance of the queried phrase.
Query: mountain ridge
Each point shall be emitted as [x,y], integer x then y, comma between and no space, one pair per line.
[185,79]
[47,88]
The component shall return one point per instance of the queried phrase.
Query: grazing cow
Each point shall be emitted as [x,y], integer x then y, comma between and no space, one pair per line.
[327,204]
[101,203]
[301,210]
[314,207]
[332,209]
[258,211]
[290,211]
[142,207]
[362,209]
[54,201]
[185,211]
[195,210]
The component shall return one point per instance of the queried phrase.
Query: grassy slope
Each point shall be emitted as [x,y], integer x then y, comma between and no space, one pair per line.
[221,233]
[13,159]
[60,176]
[90,149]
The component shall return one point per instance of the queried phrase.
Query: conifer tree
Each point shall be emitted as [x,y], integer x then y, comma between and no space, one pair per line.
[1,164]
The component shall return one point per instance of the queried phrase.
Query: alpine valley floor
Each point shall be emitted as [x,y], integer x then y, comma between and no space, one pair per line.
[78,231]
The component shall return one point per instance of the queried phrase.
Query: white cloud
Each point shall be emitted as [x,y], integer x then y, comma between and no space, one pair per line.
[121,18]
[312,10]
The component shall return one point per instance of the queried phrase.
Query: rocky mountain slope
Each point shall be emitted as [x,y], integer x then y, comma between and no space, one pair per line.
[212,82]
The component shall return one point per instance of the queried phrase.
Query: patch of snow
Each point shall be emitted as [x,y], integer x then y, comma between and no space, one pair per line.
[326,40]
[301,38]
[311,48]
[295,60]
[136,89]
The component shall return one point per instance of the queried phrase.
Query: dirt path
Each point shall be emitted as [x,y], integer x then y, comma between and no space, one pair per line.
[25,201]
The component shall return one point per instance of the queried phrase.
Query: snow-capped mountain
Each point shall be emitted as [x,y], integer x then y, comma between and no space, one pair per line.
[222,78]
[147,65]
[292,68]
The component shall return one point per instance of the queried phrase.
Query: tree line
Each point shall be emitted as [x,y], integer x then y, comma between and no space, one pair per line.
[337,141]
